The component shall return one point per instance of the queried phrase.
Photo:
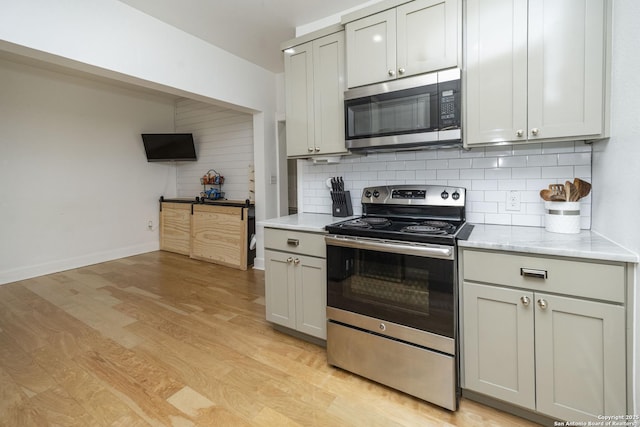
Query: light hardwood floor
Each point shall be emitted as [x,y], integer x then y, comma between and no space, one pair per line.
[163,340]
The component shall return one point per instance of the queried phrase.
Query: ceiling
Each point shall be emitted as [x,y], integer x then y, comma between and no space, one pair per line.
[250,29]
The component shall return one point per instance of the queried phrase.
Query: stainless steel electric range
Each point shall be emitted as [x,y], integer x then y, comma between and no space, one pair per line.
[391,290]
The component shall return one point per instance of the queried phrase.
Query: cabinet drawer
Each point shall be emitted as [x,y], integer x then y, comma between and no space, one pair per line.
[588,279]
[299,242]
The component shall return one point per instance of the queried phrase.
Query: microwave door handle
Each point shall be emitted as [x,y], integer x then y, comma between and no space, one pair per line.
[422,250]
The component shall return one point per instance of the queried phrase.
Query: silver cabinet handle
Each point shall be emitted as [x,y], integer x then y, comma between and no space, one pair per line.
[534,131]
[519,133]
[317,149]
[391,73]
[525,300]
[296,261]
[401,71]
[530,272]
[310,150]
[290,260]
[542,304]
[293,242]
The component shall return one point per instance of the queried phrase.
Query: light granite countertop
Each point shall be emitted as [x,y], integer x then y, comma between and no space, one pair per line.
[536,240]
[310,222]
[533,240]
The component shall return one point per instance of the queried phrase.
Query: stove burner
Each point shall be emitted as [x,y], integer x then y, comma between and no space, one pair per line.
[430,227]
[437,224]
[364,222]
[376,220]
[424,229]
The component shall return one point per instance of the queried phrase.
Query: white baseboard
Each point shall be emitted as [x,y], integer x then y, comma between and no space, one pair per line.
[29,271]
[258,263]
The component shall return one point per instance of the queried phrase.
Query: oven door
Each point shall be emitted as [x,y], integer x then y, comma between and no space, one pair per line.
[409,284]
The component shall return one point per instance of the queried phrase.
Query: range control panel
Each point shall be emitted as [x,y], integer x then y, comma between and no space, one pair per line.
[422,195]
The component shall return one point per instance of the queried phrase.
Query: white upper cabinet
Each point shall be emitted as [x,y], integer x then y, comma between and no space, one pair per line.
[314,92]
[536,70]
[413,38]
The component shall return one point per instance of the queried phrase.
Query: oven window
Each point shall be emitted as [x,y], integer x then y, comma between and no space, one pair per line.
[405,289]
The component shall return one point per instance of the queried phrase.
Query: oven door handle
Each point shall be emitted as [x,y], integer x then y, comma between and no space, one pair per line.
[408,248]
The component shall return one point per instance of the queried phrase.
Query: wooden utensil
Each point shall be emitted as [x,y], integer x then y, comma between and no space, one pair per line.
[571,192]
[583,187]
[557,193]
[545,193]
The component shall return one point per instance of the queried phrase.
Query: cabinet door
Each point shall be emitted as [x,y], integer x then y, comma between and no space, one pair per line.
[427,36]
[371,49]
[566,68]
[175,227]
[580,358]
[498,352]
[329,87]
[298,68]
[496,76]
[311,295]
[219,235]
[280,297]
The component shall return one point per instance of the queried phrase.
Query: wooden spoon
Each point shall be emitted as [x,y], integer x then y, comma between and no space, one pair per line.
[571,192]
[545,193]
[583,187]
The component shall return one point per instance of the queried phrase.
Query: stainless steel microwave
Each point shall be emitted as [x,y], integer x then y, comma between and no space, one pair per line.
[410,113]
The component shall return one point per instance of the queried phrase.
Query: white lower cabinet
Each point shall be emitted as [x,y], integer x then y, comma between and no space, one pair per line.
[563,356]
[296,283]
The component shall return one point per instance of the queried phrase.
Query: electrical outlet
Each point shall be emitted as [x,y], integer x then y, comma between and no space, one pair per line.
[513,201]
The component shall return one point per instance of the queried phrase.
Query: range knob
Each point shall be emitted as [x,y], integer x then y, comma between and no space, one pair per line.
[444,195]
[376,193]
[367,194]
[455,196]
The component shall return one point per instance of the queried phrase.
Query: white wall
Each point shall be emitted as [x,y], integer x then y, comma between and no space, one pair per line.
[111,39]
[224,142]
[488,174]
[75,186]
[615,162]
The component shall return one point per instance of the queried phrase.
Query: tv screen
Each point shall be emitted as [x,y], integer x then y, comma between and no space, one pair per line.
[167,147]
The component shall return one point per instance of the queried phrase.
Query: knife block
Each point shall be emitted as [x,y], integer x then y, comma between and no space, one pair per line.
[341,203]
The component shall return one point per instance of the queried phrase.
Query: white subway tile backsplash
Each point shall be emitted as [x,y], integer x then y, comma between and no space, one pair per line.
[472,174]
[437,164]
[527,149]
[542,160]
[448,174]
[526,173]
[574,159]
[558,147]
[499,150]
[448,153]
[557,172]
[485,163]
[487,173]
[426,175]
[512,184]
[460,163]
[512,162]
[504,173]
[485,184]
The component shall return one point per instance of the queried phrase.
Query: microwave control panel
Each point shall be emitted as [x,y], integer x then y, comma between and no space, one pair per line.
[449,94]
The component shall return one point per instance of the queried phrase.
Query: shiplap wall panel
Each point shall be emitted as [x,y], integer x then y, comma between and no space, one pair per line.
[224,142]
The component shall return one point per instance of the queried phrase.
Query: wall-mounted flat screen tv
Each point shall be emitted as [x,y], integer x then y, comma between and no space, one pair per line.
[169,147]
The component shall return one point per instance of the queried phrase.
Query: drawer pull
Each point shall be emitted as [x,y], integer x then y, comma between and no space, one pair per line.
[537,274]
[293,242]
